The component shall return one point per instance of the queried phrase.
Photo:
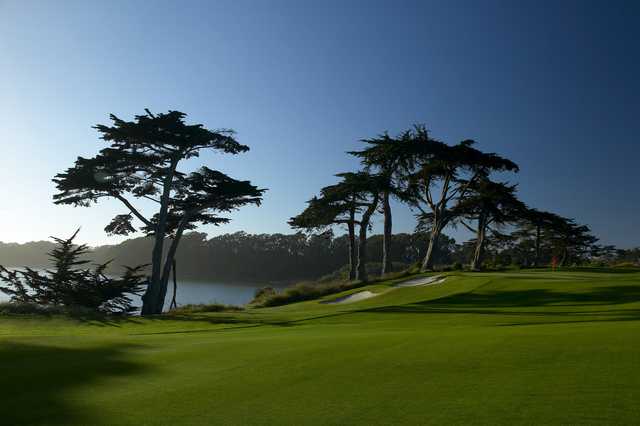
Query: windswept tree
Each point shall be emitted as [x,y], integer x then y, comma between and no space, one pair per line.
[441,177]
[388,157]
[489,205]
[368,187]
[340,204]
[142,162]
[335,206]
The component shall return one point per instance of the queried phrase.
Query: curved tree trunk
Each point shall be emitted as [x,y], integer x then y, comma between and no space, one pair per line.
[362,241]
[427,263]
[386,236]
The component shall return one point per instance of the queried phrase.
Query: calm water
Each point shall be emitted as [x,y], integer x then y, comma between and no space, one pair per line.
[204,292]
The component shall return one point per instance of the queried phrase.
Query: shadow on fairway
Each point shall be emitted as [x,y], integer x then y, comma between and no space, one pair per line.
[499,302]
[602,270]
[235,323]
[36,380]
[612,295]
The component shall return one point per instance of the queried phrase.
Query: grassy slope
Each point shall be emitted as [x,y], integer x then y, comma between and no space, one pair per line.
[525,348]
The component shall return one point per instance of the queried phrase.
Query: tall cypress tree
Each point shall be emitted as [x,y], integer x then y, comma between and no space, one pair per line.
[142,161]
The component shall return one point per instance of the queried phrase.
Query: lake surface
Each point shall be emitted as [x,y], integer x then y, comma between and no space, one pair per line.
[204,292]
[211,292]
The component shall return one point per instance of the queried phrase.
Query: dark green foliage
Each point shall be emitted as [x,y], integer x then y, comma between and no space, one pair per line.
[68,284]
[339,204]
[141,161]
[27,308]
[306,291]
[263,293]
[438,177]
[490,205]
[243,257]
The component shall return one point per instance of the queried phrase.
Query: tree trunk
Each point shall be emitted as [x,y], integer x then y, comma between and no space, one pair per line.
[174,303]
[477,254]
[150,297]
[427,263]
[154,296]
[353,251]
[361,273]
[536,261]
[171,254]
[564,257]
[386,236]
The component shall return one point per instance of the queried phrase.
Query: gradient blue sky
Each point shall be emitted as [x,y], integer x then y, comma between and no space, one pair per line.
[553,85]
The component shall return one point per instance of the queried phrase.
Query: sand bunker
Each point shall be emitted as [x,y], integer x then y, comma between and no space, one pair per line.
[355,297]
[422,281]
[362,295]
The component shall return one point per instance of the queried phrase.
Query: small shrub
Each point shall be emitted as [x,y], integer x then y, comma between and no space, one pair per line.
[27,308]
[69,287]
[457,266]
[263,293]
[307,291]
[201,308]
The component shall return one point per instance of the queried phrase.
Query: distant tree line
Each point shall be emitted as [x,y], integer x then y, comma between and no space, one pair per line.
[284,258]
[240,256]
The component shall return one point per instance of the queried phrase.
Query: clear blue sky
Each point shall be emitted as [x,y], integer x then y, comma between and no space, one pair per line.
[553,85]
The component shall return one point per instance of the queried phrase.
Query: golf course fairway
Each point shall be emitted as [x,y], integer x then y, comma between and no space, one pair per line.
[528,347]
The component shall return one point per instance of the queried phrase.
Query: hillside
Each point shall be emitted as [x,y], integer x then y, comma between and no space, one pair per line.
[560,348]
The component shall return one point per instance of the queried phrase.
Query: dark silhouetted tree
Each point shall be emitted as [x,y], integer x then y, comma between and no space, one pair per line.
[336,205]
[488,204]
[340,204]
[368,188]
[441,177]
[571,240]
[532,224]
[388,157]
[142,162]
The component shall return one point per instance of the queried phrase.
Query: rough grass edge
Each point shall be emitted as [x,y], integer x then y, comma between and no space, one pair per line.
[203,308]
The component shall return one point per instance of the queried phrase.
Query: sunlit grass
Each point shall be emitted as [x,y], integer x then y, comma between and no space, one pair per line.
[493,348]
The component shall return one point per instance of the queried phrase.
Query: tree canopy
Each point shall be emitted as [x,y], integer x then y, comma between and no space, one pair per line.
[141,162]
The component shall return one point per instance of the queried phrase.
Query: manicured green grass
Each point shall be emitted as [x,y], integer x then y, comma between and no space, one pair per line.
[496,348]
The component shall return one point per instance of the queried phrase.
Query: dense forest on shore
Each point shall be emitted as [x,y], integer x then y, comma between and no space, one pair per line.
[285,258]
[235,257]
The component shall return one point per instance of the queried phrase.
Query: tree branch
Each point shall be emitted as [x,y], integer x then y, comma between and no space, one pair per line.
[133,210]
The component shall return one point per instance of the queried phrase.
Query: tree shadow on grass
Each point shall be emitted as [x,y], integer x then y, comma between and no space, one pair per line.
[602,270]
[502,302]
[36,380]
[235,323]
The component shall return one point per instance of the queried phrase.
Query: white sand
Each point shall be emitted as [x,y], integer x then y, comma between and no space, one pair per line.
[362,295]
[355,297]
[437,279]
